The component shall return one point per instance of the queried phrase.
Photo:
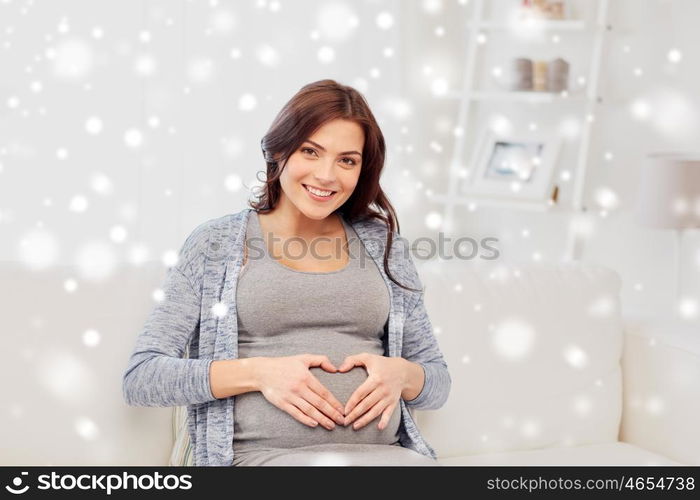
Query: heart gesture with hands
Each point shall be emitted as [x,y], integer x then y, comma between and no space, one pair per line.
[379,394]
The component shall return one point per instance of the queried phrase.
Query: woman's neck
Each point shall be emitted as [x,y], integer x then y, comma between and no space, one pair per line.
[289,222]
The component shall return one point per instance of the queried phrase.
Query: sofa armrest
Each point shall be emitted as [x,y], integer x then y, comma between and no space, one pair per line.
[661,387]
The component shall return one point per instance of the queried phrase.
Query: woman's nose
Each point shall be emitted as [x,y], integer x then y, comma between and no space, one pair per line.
[325,174]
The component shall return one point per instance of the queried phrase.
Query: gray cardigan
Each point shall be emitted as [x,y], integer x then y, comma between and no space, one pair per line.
[183,334]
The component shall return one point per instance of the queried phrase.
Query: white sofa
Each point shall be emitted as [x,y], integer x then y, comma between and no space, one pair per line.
[612,394]
[545,370]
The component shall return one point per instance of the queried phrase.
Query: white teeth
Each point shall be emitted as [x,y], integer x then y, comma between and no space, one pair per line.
[317,192]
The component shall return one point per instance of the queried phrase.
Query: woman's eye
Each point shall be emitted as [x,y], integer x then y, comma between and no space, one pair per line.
[351,161]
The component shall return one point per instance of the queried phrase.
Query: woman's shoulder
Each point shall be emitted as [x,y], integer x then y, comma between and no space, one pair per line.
[210,238]
[377,230]
[374,233]
[206,232]
[370,225]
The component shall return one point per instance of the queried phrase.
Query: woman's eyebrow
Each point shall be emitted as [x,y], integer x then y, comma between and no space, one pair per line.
[323,149]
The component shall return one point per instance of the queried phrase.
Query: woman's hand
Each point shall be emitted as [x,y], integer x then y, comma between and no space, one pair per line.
[287,383]
[379,393]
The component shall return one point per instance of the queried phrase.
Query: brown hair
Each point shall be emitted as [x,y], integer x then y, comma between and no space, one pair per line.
[313,105]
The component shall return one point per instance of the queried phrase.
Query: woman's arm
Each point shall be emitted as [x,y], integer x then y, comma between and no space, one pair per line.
[419,343]
[156,374]
[420,347]
[415,380]
[230,377]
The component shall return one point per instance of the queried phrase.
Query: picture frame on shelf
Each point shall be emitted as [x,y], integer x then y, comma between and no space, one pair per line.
[544,10]
[513,167]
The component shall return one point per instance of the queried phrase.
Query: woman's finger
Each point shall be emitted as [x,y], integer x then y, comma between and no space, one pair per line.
[322,361]
[362,391]
[351,362]
[370,415]
[299,415]
[313,412]
[386,416]
[363,406]
[322,405]
[327,395]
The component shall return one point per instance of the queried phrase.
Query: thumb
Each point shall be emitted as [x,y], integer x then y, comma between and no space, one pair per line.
[348,363]
[323,362]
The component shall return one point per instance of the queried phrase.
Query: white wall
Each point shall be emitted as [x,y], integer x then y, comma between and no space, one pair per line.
[177,177]
[57,74]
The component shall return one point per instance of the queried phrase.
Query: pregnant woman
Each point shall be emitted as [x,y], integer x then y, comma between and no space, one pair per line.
[336,312]
[331,341]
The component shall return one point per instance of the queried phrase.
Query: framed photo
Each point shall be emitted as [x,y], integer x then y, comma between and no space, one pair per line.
[555,10]
[513,167]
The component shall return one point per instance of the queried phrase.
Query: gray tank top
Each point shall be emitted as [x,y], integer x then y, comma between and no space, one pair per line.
[284,312]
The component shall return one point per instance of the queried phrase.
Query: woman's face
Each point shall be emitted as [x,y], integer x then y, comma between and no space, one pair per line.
[330,160]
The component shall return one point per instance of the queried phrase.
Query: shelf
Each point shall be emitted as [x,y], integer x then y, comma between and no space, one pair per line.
[535,31]
[480,201]
[515,96]
[533,24]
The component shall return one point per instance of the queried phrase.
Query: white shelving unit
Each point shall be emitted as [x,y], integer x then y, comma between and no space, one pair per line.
[470,96]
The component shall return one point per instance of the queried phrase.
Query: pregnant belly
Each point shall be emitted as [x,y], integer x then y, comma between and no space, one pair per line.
[260,424]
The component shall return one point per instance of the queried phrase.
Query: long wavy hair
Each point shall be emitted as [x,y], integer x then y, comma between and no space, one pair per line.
[312,106]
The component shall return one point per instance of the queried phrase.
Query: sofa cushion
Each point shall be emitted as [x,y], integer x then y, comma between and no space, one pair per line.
[661,369]
[534,354]
[181,452]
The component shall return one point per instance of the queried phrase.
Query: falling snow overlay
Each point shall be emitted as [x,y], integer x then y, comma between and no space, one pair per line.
[125,125]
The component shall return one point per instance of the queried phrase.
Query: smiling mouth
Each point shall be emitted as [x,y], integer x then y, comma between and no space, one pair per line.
[319,192]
